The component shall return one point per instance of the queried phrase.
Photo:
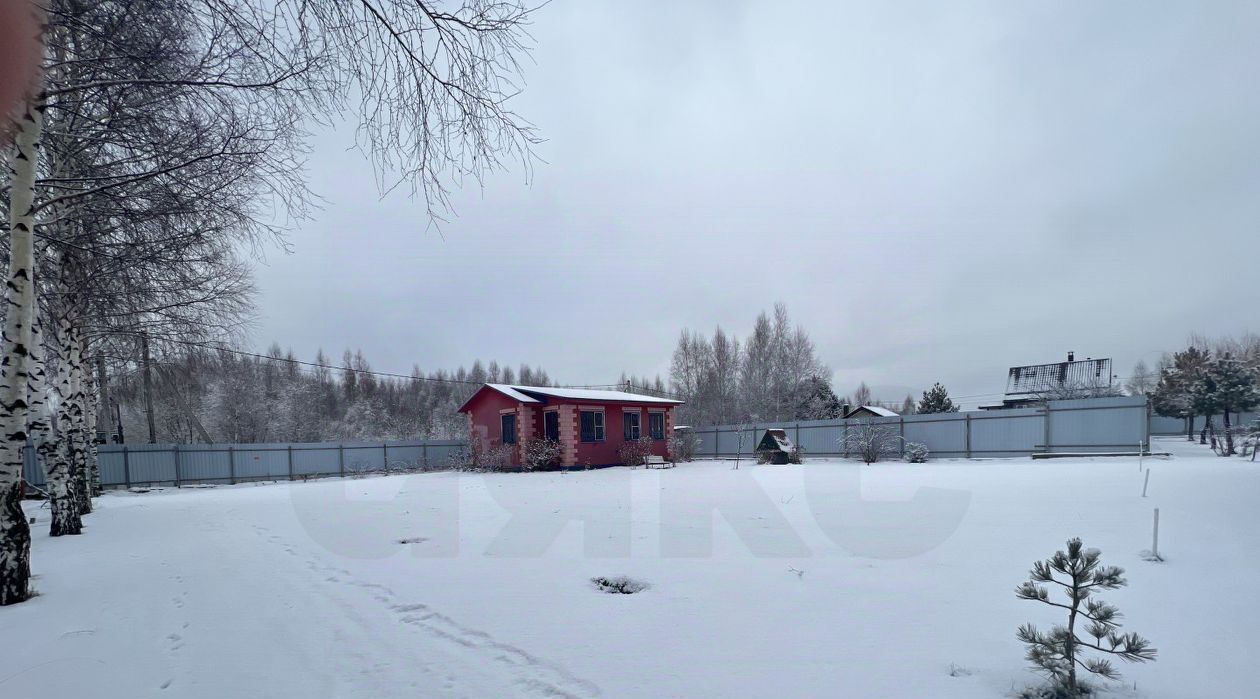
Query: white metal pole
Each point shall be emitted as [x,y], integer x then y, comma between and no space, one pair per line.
[1155,536]
[1146,482]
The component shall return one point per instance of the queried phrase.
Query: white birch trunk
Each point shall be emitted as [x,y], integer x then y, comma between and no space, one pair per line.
[77,427]
[43,428]
[92,405]
[15,532]
[64,444]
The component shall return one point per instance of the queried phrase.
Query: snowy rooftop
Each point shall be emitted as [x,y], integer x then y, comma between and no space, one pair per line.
[511,392]
[530,394]
[882,412]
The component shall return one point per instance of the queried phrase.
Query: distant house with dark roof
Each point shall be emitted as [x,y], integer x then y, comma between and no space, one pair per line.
[869,411]
[1034,383]
[590,425]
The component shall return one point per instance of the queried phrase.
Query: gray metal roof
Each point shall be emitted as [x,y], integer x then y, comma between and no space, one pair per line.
[1036,379]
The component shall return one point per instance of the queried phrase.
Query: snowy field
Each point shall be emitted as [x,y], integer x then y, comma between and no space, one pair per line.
[829,579]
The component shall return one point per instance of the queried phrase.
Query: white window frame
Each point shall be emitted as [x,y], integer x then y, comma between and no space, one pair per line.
[600,426]
[638,424]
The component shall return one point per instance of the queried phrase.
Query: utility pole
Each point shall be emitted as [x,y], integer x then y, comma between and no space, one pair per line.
[108,422]
[148,388]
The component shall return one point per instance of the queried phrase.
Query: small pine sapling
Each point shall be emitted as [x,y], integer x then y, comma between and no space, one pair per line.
[1060,652]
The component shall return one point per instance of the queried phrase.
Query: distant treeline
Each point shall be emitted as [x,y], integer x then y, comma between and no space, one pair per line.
[208,395]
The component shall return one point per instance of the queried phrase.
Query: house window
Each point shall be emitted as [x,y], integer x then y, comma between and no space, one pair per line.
[551,426]
[592,425]
[656,425]
[508,423]
[632,423]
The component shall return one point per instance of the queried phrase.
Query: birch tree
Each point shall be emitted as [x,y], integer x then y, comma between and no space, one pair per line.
[15,533]
[431,82]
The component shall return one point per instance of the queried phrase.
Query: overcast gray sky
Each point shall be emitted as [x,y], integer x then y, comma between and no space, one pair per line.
[937,190]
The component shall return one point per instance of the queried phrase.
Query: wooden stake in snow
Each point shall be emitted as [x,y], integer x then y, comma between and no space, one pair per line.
[1145,482]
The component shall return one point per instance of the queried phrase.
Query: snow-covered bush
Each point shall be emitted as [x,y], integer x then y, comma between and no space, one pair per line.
[479,459]
[634,452]
[870,442]
[541,455]
[682,445]
[916,452]
[619,584]
[1060,652]
[796,455]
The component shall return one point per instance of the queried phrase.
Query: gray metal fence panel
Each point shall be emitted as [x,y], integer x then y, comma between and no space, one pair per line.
[944,437]
[817,436]
[1167,426]
[310,460]
[31,472]
[168,464]
[1096,425]
[1011,432]
[152,463]
[1091,425]
[112,465]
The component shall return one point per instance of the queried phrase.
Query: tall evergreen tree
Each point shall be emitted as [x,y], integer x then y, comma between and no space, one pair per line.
[936,400]
[1172,395]
[817,401]
[1229,386]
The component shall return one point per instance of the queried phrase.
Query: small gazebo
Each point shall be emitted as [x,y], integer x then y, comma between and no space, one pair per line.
[775,447]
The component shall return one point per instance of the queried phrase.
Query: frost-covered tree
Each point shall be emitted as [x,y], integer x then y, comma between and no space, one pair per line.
[936,400]
[862,396]
[1141,380]
[908,406]
[1092,625]
[870,441]
[757,369]
[724,381]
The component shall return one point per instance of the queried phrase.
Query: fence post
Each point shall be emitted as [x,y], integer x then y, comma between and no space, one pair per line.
[231,465]
[798,435]
[424,453]
[341,459]
[177,478]
[385,456]
[901,426]
[1045,437]
[967,433]
[290,449]
[126,468]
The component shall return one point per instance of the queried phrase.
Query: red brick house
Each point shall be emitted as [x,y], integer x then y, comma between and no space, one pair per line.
[590,425]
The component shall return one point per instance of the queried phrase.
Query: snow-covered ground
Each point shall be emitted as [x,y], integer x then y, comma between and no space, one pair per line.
[828,579]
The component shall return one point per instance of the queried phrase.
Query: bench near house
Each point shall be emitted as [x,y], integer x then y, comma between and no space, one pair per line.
[590,425]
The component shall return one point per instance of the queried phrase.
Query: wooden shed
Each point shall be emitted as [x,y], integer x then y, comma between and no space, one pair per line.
[775,447]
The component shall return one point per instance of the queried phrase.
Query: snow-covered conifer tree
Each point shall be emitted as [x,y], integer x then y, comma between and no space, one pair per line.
[936,400]
[1091,623]
[1229,386]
